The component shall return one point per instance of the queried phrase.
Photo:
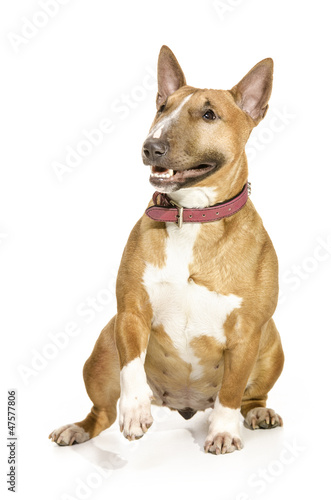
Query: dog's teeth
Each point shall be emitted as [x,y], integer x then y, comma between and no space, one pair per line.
[162,175]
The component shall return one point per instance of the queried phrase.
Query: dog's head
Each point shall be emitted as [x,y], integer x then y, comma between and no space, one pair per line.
[198,136]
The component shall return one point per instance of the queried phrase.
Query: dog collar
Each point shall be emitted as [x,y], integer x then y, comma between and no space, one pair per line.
[166,210]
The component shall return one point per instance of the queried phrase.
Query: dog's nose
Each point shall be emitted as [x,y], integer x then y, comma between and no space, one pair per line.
[154,149]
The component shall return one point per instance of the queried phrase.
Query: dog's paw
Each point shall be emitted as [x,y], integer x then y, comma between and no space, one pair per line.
[68,435]
[135,416]
[222,443]
[224,430]
[262,418]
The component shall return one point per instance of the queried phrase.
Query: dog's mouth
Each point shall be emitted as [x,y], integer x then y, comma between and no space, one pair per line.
[166,177]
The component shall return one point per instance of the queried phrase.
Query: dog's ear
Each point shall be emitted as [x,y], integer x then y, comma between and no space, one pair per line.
[253,92]
[169,75]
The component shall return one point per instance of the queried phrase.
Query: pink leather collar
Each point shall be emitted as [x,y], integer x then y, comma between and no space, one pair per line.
[166,210]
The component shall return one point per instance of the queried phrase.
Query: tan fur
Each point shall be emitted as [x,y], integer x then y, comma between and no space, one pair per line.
[170,377]
[231,256]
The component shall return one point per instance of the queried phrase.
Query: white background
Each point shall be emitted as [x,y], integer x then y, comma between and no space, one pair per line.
[61,239]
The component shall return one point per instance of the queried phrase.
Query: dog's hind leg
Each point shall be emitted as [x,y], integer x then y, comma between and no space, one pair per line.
[102,381]
[266,371]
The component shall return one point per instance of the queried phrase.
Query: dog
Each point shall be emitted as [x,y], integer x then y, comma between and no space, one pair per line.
[198,281]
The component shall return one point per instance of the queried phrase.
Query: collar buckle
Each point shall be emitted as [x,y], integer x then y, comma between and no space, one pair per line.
[180,213]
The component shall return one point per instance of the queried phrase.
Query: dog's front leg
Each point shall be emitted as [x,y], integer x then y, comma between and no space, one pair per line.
[224,429]
[132,334]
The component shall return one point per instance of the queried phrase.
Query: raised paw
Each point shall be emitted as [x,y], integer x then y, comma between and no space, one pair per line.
[68,435]
[223,443]
[262,418]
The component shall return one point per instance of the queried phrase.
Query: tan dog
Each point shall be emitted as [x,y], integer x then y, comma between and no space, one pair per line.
[194,327]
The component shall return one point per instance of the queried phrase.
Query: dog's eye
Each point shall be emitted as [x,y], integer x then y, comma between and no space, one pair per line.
[209,115]
[161,108]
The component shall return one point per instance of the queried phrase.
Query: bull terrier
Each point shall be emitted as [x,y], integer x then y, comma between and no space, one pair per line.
[198,281]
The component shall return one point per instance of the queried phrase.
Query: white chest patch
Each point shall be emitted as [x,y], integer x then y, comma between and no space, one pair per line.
[184,309]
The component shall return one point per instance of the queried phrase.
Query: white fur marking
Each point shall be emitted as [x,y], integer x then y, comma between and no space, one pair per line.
[223,419]
[186,310]
[133,378]
[157,133]
[195,197]
[135,400]
[165,122]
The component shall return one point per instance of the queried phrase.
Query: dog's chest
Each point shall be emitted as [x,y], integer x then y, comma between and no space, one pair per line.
[183,308]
